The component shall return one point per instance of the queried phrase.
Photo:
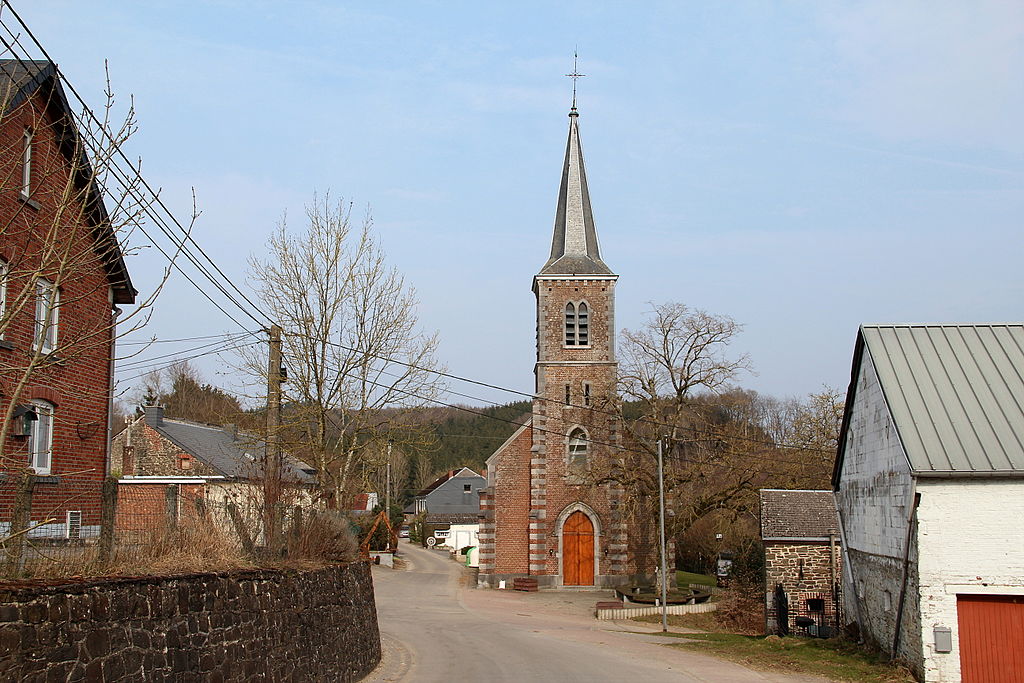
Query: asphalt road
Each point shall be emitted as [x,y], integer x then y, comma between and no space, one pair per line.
[433,629]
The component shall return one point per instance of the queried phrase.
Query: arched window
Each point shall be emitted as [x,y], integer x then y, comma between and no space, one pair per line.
[570,324]
[578,447]
[582,327]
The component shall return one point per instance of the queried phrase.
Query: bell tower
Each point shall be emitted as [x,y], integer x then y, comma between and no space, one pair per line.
[575,430]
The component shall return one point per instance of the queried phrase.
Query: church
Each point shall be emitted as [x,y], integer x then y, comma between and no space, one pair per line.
[545,514]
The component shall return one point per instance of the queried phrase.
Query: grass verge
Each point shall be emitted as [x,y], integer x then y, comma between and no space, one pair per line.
[835,658]
[686,578]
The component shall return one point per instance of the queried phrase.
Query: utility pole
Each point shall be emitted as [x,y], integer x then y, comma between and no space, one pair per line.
[272,457]
[664,563]
[387,499]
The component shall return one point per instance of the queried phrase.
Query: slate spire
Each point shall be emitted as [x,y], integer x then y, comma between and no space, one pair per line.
[574,247]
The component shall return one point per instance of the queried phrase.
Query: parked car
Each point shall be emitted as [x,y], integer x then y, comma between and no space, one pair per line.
[404,531]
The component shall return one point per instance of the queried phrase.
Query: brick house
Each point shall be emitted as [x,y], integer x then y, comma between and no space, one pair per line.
[929,485]
[802,561]
[166,465]
[540,516]
[62,277]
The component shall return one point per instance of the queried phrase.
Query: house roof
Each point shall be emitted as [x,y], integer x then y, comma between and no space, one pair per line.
[452,518]
[19,80]
[955,394]
[574,246]
[798,515]
[451,474]
[237,456]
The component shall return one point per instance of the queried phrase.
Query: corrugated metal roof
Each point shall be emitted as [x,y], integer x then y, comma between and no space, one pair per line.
[955,392]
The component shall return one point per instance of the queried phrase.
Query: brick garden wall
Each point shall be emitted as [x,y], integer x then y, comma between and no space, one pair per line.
[268,625]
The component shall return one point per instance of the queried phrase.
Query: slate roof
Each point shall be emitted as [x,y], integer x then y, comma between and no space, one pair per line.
[452,518]
[19,80]
[798,515]
[955,394]
[574,246]
[233,456]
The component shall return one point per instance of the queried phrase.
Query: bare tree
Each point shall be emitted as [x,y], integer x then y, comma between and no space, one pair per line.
[355,354]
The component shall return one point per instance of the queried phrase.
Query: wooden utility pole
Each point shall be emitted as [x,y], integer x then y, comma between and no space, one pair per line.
[272,456]
[387,499]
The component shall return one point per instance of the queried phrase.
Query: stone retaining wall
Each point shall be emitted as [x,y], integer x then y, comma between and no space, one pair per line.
[273,625]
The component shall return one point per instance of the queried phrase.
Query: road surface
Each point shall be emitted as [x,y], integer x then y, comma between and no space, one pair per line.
[434,629]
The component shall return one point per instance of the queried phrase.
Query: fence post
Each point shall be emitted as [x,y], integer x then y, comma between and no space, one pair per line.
[108,515]
[20,520]
[171,502]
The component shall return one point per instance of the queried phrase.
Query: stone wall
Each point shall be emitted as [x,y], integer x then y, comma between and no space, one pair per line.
[805,571]
[318,625]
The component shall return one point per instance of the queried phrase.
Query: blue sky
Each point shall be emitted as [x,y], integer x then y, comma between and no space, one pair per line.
[802,167]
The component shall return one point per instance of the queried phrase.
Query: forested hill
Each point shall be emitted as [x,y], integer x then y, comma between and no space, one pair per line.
[466,439]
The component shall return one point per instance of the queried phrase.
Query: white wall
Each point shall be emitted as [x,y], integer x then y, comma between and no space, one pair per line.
[970,540]
[874,498]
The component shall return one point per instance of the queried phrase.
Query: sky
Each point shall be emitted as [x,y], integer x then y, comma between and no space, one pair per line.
[801,167]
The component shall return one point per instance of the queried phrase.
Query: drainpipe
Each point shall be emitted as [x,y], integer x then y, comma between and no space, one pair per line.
[911,519]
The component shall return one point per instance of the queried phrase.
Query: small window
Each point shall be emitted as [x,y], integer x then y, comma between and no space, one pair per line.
[466,488]
[815,605]
[41,437]
[568,394]
[47,306]
[586,393]
[74,524]
[570,324]
[577,450]
[26,163]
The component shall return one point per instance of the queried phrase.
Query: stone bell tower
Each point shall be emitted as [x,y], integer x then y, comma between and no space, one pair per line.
[546,513]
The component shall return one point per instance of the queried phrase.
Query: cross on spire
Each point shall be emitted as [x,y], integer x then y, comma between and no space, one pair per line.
[575,75]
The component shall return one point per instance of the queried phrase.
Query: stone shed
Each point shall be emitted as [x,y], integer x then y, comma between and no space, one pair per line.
[802,562]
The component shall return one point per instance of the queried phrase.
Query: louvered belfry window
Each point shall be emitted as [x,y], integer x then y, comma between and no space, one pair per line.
[570,324]
[582,328]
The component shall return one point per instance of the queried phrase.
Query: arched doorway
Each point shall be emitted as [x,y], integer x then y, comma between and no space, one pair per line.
[578,550]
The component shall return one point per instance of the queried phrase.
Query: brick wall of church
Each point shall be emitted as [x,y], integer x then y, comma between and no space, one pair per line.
[504,542]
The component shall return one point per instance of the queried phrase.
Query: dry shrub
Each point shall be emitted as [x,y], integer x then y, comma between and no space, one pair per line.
[195,544]
[741,610]
[326,537]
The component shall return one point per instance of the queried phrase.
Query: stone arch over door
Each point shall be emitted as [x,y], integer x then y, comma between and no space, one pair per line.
[579,543]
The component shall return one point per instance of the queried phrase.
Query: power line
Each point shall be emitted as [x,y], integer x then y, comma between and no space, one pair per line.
[147,361]
[154,340]
[137,172]
[122,178]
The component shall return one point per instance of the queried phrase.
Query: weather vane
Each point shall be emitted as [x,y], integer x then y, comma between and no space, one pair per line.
[575,75]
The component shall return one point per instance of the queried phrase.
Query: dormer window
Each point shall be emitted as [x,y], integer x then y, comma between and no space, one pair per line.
[577,324]
[26,163]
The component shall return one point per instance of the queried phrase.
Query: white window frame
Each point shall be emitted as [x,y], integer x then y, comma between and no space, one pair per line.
[3,294]
[72,518]
[26,163]
[40,441]
[46,335]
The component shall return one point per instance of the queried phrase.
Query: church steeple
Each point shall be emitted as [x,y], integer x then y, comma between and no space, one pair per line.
[574,247]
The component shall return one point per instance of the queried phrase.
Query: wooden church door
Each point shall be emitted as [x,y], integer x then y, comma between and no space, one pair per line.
[578,550]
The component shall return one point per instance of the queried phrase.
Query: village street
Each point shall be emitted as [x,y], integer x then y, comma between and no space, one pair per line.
[434,629]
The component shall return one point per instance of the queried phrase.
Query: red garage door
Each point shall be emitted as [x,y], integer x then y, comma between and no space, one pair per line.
[991,638]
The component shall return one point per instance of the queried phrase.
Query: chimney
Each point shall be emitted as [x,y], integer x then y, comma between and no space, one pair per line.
[154,415]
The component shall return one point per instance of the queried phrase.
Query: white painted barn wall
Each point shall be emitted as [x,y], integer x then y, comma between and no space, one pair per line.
[874,498]
[970,540]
